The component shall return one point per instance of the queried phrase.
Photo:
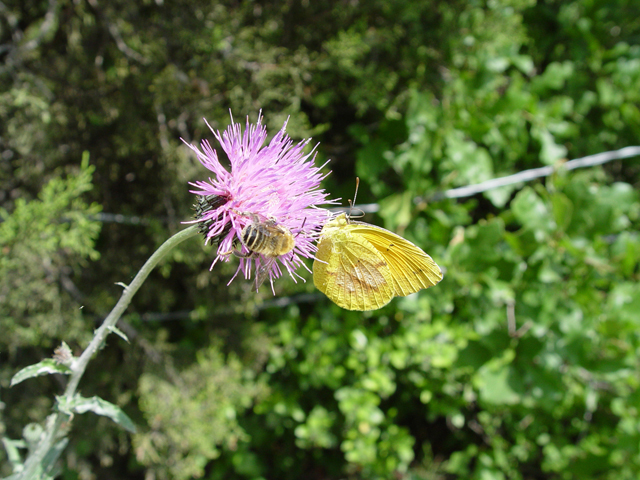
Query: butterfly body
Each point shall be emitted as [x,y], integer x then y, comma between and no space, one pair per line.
[362,267]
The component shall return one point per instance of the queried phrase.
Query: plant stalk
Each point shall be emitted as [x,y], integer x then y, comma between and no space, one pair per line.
[78,367]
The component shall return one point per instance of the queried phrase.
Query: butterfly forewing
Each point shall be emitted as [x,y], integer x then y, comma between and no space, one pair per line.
[411,268]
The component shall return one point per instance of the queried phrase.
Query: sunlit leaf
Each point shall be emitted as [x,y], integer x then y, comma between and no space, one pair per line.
[45,367]
[97,405]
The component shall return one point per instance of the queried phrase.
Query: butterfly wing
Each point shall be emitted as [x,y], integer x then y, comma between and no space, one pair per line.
[351,271]
[411,268]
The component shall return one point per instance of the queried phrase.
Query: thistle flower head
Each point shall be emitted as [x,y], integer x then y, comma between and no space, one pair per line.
[267,193]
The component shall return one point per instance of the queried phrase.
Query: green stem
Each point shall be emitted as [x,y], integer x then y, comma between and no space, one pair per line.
[78,367]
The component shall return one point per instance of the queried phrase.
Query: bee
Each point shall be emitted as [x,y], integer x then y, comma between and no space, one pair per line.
[266,237]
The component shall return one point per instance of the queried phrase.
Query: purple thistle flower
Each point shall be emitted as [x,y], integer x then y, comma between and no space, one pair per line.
[273,188]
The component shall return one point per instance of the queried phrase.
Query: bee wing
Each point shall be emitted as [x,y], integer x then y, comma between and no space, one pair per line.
[263,270]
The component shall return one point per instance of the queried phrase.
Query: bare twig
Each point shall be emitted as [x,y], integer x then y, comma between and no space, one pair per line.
[528,175]
[117,37]
[520,177]
[48,24]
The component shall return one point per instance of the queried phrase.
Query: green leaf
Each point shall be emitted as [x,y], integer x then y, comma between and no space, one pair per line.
[475,355]
[550,151]
[562,210]
[471,163]
[396,210]
[45,367]
[13,455]
[50,459]
[494,387]
[97,405]
[624,302]
[554,77]
[530,210]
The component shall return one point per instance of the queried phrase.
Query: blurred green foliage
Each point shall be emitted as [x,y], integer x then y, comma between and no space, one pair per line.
[522,363]
[208,412]
[43,241]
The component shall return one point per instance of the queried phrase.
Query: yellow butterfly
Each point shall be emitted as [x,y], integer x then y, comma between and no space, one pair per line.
[362,267]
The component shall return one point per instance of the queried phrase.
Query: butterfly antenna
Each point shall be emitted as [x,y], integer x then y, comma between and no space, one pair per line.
[356,193]
[352,204]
